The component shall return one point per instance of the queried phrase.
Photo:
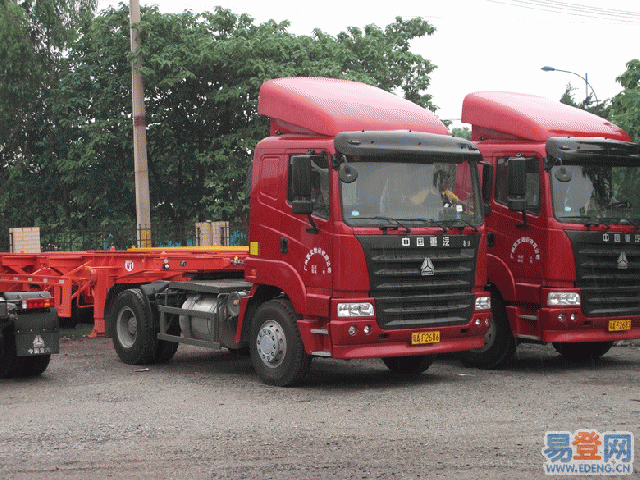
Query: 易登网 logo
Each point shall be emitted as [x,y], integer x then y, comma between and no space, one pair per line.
[588,452]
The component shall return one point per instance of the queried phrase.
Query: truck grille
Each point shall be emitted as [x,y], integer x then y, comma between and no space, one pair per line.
[421,281]
[607,272]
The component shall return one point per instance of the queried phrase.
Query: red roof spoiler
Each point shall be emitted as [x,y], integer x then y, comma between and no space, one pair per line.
[518,116]
[328,106]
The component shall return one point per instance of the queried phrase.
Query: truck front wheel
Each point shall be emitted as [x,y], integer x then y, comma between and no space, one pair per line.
[277,352]
[408,365]
[499,343]
[582,351]
[135,338]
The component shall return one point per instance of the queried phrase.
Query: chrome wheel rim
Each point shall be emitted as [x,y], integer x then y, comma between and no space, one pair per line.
[271,344]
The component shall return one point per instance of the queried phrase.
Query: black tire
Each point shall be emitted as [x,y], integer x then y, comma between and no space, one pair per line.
[582,351]
[165,351]
[8,357]
[277,351]
[408,365]
[500,344]
[13,366]
[135,333]
[31,366]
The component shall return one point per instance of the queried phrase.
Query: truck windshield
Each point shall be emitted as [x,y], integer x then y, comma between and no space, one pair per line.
[596,194]
[388,194]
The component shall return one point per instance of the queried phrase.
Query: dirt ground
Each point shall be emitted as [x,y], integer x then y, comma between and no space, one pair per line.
[206,415]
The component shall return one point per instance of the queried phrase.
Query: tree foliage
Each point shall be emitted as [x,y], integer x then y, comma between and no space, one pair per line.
[462,132]
[589,104]
[35,37]
[625,108]
[202,74]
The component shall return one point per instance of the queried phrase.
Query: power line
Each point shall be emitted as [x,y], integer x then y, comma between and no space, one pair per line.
[573,9]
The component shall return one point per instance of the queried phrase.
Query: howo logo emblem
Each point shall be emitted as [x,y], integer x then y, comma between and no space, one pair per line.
[427,267]
[623,263]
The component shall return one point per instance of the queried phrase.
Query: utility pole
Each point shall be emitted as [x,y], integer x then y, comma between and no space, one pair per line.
[143,214]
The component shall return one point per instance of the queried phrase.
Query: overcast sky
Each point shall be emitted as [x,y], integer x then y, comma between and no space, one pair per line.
[478,44]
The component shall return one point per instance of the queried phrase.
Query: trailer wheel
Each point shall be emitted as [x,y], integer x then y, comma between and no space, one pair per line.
[582,351]
[499,342]
[135,337]
[408,365]
[277,351]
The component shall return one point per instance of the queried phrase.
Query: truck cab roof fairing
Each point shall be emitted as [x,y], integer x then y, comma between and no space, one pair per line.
[327,106]
[518,116]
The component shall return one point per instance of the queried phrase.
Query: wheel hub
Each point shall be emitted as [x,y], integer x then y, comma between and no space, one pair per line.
[126,327]
[132,327]
[271,344]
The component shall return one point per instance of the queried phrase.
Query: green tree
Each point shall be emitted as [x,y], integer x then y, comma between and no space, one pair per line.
[597,108]
[625,108]
[35,36]
[202,75]
[463,132]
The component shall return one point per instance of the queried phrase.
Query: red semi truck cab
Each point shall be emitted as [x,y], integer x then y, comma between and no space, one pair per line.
[563,228]
[366,240]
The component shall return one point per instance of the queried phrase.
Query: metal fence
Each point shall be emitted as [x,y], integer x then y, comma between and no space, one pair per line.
[55,239]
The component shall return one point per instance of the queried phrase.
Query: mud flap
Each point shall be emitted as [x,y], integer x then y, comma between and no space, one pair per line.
[36,333]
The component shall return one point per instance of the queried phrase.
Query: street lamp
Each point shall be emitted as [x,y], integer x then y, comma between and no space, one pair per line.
[587,85]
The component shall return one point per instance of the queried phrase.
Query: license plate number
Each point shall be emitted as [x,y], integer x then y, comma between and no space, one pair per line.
[420,338]
[619,325]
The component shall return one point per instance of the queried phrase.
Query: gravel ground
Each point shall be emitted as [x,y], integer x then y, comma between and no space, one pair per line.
[206,415]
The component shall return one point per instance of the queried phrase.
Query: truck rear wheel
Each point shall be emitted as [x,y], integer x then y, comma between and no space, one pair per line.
[582,351]
[166,350]
[408,365]
[13,366]
[277,351]
[31,366]
[135,336]
[8,358]
[499,342]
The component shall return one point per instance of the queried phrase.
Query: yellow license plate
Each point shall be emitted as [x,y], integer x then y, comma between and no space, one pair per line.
[420,338]
[619,325]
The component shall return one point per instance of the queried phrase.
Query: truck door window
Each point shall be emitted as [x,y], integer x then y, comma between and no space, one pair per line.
[319,187]
[533,184]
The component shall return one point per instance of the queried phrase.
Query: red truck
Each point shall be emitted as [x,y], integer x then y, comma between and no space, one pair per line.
[358,248]
[563,226]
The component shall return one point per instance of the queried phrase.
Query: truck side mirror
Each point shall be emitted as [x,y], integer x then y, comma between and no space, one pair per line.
[517,184]
[301,184]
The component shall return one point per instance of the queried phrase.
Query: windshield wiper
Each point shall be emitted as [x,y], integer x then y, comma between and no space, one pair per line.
[429,221]
[394,223]
[593,220]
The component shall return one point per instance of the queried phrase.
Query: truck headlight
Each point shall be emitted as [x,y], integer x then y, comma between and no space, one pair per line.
[362,309]
[483,303]
[563,299]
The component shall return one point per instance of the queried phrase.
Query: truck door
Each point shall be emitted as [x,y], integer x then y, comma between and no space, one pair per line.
[309,236]
[519,239]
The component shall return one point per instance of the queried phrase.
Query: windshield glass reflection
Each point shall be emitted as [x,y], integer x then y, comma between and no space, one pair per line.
[596,193]
[389,192]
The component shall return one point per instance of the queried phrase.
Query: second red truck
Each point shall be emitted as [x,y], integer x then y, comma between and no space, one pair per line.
[563,226]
